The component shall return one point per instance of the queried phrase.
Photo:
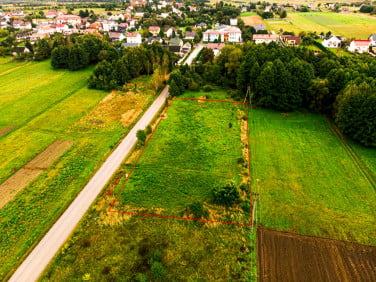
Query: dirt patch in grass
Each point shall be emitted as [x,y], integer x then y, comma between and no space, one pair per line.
[10,70]
[252,20]
[287,256]
[129,117]
[23,177]
[6,130]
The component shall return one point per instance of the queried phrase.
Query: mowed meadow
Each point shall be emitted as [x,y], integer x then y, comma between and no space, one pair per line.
[38,107]
[306,181]
[195,148]
[349,25]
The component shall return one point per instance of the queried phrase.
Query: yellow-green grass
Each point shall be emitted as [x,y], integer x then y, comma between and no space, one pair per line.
[306,181]
[348,25]
[46,105]
[113,247]
[195,149]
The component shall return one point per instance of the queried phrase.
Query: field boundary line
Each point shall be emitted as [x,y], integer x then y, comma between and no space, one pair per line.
[353,155]
[13,69]
[112,204]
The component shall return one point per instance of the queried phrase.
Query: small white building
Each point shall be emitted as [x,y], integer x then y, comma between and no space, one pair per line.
[134,37]
[233,22]
[332,42]
[373,39]
[359,46]
[224,34]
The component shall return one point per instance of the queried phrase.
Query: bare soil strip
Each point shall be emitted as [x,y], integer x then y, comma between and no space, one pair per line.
[18,181]
[252,20]
[10,70]
[284,256]
[6,130]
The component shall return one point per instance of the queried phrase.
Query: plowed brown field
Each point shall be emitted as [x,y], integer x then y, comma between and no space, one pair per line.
[284,256]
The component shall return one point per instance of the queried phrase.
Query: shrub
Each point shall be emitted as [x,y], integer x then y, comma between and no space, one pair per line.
[207,88]
[157,270]
[226,195]
[141,136]
[148,130]
[198,210]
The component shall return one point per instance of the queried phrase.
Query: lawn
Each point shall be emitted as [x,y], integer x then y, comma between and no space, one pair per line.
[43,106]
[348,25]
[307,182]
[192,151]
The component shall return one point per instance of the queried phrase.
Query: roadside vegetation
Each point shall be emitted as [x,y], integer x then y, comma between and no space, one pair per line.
[55,105]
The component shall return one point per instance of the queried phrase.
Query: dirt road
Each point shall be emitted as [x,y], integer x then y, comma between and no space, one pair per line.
[52,242]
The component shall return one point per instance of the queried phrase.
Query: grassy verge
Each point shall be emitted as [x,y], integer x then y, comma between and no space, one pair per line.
[307,182]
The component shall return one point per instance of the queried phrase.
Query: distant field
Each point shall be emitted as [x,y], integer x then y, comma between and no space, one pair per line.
[307,182]
[348,25]
[194,149]
[38,107]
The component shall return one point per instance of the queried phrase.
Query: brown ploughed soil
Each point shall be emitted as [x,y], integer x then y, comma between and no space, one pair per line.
[6,130]
[284,256]
[23,177]
[252,20]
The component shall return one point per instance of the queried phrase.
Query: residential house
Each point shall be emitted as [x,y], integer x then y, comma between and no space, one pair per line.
[61,28]
[265,38]
[21,25]
[4,23]
[164,15]
[152,39]
[332,42]
[169,32]
[290,40]
[68,19]
[175,45]
[22,36]
[258,27]
[109,25]
[201,25]
[216,47]
[20,50]
[359,46]
[186,48]
[138,3]
[122,27]
[51,14]
[134,37]
[139,15]
[133,23]
[192,8]
[116,36]
[373,39]
[37,36]
[233,22]
[190,35]
[154,30]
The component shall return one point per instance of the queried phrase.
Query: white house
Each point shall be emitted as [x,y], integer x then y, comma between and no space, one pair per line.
[134,37]
[332,42]
[373,39]
[359,46]
[69,19]
[233,22]
[265,38]
[109,25]
[51,14]
[169,31]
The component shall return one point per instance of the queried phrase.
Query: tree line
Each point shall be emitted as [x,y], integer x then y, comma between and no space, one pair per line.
[288,79]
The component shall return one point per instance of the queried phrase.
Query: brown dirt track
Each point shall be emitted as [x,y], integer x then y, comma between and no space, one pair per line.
[284,256]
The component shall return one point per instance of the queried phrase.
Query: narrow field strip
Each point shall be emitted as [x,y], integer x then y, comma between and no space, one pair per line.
[6,130]
[23,177]
[11,70]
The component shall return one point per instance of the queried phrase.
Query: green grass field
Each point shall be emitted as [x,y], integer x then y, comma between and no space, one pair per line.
[43,106]
[348,25]
[306,180]
[192,150]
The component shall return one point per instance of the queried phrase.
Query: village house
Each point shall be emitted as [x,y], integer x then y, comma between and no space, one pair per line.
[190,35]
[169,32]
[216,47]
[21,25]
[138,3]
[373,39]
[233,22]
[37,36]
[122,27]
[132,23]
[116,36]
[134,37]
[152,39]
[51,14]
[332,42]
[259,27]
[290,40]
[359,46]
[265,38]
[154,30]
[68,19]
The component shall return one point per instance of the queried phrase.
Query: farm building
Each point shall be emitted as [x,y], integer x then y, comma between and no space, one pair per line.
[332,42]
[359,46]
